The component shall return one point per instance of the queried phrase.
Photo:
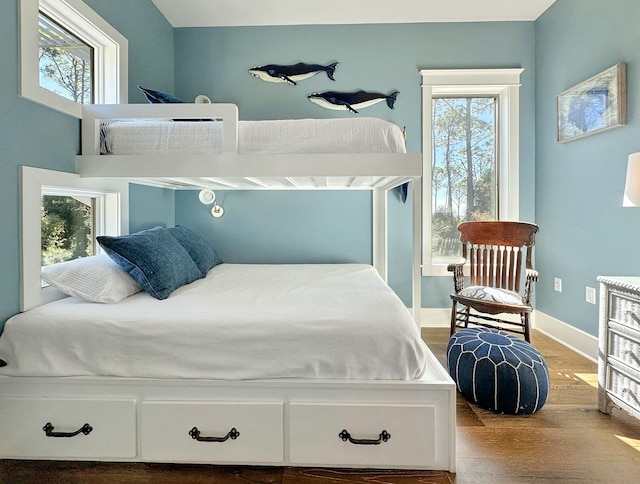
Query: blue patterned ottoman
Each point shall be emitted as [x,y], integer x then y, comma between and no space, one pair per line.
[498,371]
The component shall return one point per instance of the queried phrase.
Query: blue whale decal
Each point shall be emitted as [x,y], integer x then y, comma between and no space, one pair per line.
[293,73]
[351,101]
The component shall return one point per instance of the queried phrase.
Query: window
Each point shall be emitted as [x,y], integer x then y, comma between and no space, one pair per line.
[470,155]
[70,56]
[68,225]
[61,216]
[65,62]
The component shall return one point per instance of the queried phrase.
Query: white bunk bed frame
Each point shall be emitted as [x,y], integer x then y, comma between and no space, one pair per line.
[289,422]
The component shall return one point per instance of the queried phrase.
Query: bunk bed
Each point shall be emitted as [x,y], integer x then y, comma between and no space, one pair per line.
[403,420]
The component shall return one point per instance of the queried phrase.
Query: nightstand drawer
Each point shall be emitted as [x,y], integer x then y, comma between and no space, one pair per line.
[624,387]
[215,432]
[624,344]
[76,428]
[624,310]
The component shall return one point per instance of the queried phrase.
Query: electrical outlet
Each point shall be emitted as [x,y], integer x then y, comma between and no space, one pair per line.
[590,295]
[557,284]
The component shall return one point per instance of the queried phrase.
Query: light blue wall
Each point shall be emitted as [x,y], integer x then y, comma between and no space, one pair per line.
[150,38]
[214,61]
[584,230]
[34,135]
[274,226]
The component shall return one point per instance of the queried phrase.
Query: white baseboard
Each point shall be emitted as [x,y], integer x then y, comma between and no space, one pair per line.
[571,337]
[575,339]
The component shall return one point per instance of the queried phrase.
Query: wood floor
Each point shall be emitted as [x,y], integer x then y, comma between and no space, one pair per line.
[568,441]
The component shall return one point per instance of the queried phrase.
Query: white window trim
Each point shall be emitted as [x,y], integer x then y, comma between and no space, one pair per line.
[503,83]
[110,53]
[32,181]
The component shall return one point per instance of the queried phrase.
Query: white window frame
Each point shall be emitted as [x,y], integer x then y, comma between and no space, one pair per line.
[501,83]
[110,70]
[113,219]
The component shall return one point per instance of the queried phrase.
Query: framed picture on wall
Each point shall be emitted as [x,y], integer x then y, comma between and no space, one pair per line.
[594,105]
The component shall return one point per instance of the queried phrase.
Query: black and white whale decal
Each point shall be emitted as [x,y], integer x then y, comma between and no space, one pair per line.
[351,101]
[293,73]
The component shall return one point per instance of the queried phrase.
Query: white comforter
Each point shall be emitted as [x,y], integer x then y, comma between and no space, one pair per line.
[361,135]
[240,322]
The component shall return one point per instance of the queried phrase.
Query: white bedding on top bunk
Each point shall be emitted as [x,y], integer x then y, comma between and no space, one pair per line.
[361,135]
[240,322]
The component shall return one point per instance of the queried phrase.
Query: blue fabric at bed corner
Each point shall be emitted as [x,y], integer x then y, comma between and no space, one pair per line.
[203,254]
[154,258]
[159,97]
[402,191]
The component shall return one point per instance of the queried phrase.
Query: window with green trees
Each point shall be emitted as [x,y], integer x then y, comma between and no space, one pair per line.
[67,227]
[470,153]
[464,171]
[70,56]
[65,62]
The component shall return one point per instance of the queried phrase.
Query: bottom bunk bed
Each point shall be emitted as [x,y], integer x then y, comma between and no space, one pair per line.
[294,365]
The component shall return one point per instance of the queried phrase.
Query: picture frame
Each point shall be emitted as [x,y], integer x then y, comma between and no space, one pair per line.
[594,105]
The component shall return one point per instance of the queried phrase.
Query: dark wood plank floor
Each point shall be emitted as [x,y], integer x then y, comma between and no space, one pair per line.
[568,441]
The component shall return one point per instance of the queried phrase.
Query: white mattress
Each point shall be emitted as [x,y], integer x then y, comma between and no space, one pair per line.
[361,135]
[240,322]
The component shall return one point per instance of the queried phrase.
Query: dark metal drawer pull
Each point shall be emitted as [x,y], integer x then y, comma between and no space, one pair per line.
[48,431]
[384,436]
[195,434]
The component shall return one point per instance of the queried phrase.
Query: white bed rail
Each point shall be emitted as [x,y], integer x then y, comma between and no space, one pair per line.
[93,114]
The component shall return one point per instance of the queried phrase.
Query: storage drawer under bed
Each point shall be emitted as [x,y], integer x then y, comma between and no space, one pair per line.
[364,435]
[67,428]
[215,432]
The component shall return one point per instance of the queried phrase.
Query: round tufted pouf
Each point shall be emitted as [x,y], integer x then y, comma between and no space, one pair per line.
[498,371]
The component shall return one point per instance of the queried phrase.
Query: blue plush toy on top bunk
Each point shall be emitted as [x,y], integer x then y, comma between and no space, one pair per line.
[159,97]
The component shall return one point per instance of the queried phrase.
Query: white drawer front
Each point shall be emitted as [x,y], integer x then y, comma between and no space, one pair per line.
[112,433]
[625,388]
[625,347]
[625,310]
[315,430]
[166,431]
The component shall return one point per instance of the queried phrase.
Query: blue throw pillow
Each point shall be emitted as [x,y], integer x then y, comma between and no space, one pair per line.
[199,249]
[154,258]
[159,97]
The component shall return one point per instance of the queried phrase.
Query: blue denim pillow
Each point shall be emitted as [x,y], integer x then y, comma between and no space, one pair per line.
[159,97]
[199,249]
[154,258]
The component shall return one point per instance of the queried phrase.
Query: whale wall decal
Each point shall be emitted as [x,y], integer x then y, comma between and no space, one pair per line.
[291,74]
[351,101]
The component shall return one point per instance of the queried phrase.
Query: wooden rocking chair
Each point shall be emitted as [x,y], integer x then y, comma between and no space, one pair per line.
[496,253]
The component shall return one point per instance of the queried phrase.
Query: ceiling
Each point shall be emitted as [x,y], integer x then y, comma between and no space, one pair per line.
[217,13]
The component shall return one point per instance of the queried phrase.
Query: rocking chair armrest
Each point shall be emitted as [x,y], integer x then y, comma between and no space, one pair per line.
[452,267]
[532,275]
[458,274]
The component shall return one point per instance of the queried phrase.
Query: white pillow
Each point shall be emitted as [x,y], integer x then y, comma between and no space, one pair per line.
[96,279]
[493,294]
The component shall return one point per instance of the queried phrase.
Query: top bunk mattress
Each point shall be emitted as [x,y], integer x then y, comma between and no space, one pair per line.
[240,322]
[293,136]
